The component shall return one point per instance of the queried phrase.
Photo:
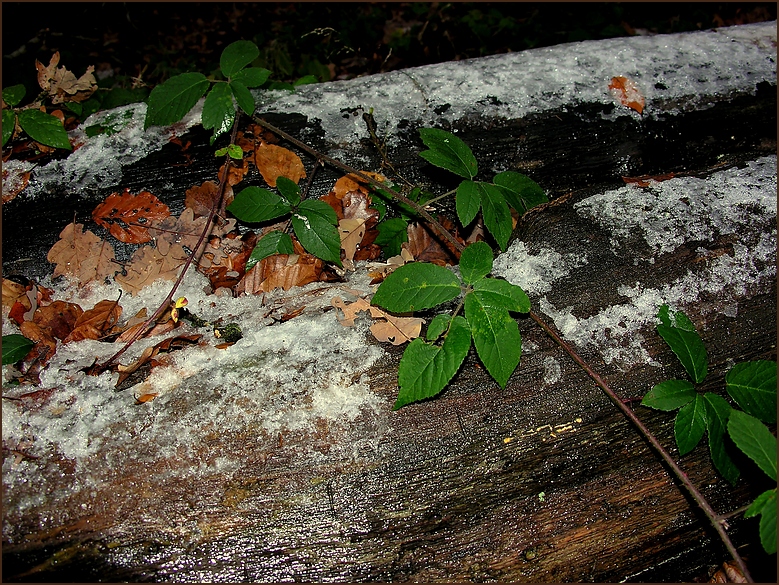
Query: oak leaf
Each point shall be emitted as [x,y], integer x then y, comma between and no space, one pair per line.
[125,215]
[62,85]
[96,322]
[387,328]
[276,161]
[149,264]
[627,93]
[82,256]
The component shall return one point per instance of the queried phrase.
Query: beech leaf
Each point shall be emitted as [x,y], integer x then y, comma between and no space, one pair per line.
[125,215]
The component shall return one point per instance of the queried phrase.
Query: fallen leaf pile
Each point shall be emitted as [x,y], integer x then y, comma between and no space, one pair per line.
[62,85]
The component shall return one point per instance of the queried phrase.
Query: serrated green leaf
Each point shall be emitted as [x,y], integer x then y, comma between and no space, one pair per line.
[467,202]
[314,225]
[437,326]
[765,506]
[306,80]
[753,386]
[251,76]
[392,233]
[274,242]
[502,295]
[9,121]
[669,395]
[717,413]
[44,128]
[13,95]
[754,439]
[235,151]
[218,110]
[15,347]
[416,286]
[243,96]
[689,348]
[520,191]
[448,152]
[495,335]
[476,262]
[497,216]
[426,369]
[289,190]
[255,205]
[690,424]
[236,56]
[170,101]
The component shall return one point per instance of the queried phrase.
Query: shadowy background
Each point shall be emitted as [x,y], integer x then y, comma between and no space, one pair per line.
[138,45]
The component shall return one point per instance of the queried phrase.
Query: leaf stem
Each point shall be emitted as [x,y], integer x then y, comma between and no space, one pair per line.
[439,197]
[714,518]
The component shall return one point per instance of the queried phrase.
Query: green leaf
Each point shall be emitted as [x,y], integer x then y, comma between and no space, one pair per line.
[255,205]
[755,440]
[476,262]
[15,347]
[497,216]
[243,96]
[392,233]
[717,413]
[251,76]
[502,295]
[235,151]
[520,191]
[236,56]
[495,335]
[218,110]
[437,326]
[678,319]
[753,386]
[289,190]
[44,128]
[416,286]
[448,152]
[306,80]
[426,369]
[314,224]
[669,395]
[9,121]
[170,101]
[765,505]
[690,424]
[467,201]
[13,95]
[689,348]
[274,242]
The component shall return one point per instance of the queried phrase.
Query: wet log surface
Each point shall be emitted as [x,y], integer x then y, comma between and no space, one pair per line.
[541,481]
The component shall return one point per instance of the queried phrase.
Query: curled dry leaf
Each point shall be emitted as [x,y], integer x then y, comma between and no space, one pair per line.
[352,232]
[62,85]
[646,180]
[96,322]
[58,318]
[125,215]
[387,328]
[281,271]
[379,271]
[276,161]
[16,176]
[201,198]
[427,246]
[224,259]
[627,93]
[729,572]
[149,264]
[82,256]
[148,397]
[43,350]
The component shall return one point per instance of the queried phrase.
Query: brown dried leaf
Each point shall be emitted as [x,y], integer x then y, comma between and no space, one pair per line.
[350,311]
[148,397]
[352,232]
[12,292]
[62,85]
[82,256]
[59,318]
[387,328]
[15,179]
[166,345]
[43,350]
[427,246]
[352,182]
[149,264]
[276,161]
[202,198]
[224,259]
[729,572]
[281,271]
[627,93]
[125,215]
[96,322]
[235,173]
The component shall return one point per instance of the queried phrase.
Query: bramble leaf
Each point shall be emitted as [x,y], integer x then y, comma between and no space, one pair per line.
[170,101]
[416,286]
[275,242]
[255,205]
[669,395]
[289,190]
[497,217]
[520,191]
[426,369]
[448,152]
[690,425]
[495,335]
[392,233]
[476,262]
[437,326]
[218,110]
[754,439]
[765,505]
[251,76]
[15,347]
[753,386]
[685,342]
[44,128]
[14,94]
[467,201]
[501,294]
[243,96]
[9,121]
[717,413]
[236,56]
[314,224]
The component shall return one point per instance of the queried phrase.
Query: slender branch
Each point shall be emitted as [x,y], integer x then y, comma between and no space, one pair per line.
[714,518]
[143,329]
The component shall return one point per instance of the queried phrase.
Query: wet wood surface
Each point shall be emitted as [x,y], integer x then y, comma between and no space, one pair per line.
[538,482]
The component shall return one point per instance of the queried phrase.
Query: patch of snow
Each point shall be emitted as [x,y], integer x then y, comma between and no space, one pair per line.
[552,371]
[535,273]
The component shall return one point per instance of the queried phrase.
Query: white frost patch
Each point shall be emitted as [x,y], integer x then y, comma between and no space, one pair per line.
[670,213]
[552,371]
[534,273]
[685,67]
